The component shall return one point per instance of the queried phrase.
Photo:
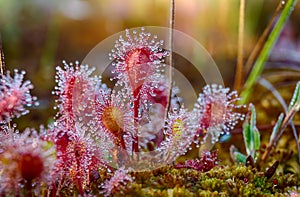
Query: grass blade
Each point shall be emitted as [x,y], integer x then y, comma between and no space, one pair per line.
[264,54]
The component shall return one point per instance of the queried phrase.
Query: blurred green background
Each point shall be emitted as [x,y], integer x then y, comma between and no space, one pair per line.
[38,34]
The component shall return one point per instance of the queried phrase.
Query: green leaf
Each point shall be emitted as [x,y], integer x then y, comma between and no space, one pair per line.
[250,132]
[256,138]
[236,155]
[296,97]
[247,136]
[241,158]
[277,127]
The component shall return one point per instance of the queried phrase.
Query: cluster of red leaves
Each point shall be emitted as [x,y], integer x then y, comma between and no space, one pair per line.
[98,128]
[207,161]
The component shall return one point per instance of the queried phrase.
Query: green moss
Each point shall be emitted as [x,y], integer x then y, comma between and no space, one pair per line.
[236,180]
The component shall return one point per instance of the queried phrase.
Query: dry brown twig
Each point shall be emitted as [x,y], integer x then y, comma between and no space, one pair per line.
[171,60]
[240,52]
[2,63]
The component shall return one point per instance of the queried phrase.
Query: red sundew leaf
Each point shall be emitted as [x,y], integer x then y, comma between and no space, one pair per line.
[158,95]
[14,96]
[68,92]
[31,166]
[138,68]
[113,117]
[179,134]
[137,55]
[75,90]
[137,58]
[25,158]
[216,111]
[62,141]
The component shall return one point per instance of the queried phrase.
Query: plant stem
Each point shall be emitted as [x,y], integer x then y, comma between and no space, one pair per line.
[264,54]
[28,187]
[171,60]
[136,105]
[284,124]
[240,52]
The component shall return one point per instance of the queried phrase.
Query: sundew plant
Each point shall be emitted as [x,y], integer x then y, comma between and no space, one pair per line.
[100,130]
[144,131]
